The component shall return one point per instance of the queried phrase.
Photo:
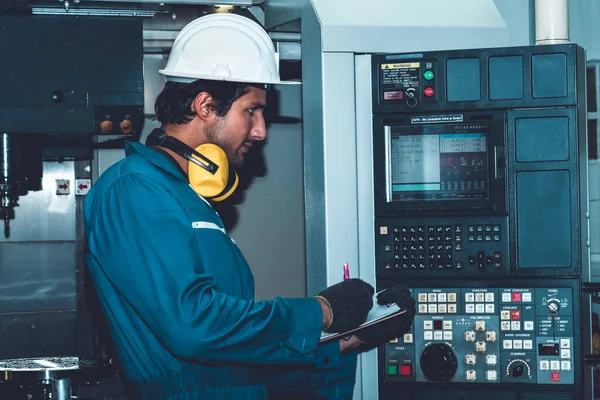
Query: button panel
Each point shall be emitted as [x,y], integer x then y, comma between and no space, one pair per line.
[495,335]
[447,246]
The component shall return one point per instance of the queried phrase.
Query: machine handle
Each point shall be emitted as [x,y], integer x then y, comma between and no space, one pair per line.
[592,289]
[589,360]
[499,162]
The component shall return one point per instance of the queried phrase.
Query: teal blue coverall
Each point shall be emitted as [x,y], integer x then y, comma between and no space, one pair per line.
[178,297]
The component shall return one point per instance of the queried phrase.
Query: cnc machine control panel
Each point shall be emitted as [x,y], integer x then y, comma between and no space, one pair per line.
[486,335]
[480,207]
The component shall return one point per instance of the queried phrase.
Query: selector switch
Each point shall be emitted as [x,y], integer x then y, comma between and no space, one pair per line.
[517,370]
[553,306]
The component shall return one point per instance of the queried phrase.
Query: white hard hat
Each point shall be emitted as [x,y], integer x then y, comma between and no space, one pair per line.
[224,47]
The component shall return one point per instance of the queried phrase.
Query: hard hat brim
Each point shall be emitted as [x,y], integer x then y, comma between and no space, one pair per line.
[183,77]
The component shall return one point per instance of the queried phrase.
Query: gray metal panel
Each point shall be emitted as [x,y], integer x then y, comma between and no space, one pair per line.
[329,160]
[431,25]
[153,81]
[583,26]
[281,12]
[44,215]
[519,18]
[37,276]
[368,384]
[339,152]
[314,182]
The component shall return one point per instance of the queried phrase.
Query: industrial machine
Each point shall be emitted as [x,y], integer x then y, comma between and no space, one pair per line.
[67,88]
[480,192]
[459,169]
[461,174]
[66,82]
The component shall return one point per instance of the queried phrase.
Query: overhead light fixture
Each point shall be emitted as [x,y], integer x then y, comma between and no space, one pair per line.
[222,8]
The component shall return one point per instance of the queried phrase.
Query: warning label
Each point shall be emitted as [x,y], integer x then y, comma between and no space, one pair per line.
[398,77]
[401,65]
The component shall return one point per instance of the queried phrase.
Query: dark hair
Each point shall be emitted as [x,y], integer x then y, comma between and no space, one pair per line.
[174,104]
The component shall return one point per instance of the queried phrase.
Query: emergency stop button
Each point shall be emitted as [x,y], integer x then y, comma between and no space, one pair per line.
[406,370]
[429,92]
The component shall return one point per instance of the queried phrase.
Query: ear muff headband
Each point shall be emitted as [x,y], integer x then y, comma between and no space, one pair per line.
[208,168]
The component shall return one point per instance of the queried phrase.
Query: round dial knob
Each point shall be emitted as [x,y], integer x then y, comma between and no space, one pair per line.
[517,369]
[106,126]
[126,126]
[553,306]
[438,362]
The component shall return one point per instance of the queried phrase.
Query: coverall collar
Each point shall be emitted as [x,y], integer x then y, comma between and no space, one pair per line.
[154,157]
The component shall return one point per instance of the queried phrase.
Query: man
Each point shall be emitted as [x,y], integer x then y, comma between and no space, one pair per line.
[176,291]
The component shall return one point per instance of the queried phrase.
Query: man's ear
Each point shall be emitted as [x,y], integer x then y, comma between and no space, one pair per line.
[202,105]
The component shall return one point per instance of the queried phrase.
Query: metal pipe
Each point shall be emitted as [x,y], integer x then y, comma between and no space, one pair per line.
[61,389]
[551,22]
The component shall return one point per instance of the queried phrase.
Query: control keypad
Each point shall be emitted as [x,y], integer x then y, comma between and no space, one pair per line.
[492,335]
[427,246]
[432,247]
[484,233]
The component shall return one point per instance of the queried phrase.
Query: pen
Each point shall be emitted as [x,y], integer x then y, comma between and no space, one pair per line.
[346,272]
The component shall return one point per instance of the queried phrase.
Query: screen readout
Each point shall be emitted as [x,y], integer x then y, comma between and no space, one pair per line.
[443,166]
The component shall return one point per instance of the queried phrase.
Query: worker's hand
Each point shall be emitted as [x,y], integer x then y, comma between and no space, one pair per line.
[394,327]
[348,303]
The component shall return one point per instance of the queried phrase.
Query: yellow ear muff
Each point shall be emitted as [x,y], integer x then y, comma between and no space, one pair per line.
[217,186]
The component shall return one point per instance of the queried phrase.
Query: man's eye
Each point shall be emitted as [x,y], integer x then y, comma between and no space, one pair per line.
[251,111]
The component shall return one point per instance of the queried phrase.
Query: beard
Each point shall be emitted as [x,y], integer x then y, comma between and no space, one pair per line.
[217,134]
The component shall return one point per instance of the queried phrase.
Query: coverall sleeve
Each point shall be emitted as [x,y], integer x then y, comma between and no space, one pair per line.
[144,243]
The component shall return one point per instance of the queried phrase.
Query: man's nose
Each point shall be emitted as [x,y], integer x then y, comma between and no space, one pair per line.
[259,128]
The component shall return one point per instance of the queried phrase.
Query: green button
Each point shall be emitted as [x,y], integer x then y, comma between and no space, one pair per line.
[428,75]
[392,369]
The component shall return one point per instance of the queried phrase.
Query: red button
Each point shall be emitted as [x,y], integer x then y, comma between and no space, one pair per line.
[516,297]
[554,376]
[515,315]
[406,370]
[429,91]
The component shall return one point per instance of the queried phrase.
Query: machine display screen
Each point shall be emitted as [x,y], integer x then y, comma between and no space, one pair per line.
[440,166]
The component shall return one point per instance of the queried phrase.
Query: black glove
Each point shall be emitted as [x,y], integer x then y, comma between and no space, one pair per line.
[349,302]
[394,327]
